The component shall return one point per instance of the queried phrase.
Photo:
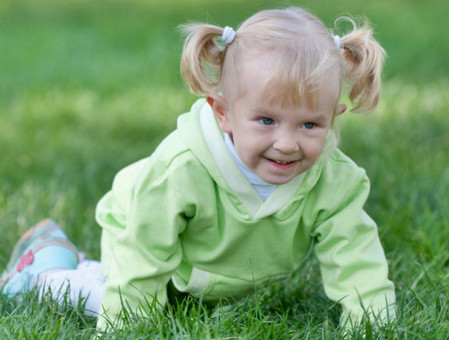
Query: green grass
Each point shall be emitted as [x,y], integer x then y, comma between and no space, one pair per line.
[88,87]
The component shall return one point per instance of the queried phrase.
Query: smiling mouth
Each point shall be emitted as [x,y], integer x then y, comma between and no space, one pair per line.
[280,162]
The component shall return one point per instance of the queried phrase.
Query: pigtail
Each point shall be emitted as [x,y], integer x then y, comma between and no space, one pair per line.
[363,57]
[202,57]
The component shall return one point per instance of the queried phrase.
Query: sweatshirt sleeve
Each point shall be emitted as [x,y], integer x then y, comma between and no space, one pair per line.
[352,262]
[140,245]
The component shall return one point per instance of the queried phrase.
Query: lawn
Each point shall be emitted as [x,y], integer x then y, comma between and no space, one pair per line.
[87,87]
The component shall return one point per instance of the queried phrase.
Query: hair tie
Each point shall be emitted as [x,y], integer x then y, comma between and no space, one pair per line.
[337,41]
[228,35]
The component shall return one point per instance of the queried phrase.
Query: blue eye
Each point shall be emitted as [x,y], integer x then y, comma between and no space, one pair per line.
[309,125]
[266,121]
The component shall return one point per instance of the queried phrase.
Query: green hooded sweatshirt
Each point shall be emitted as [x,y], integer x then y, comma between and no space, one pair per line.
[187,214]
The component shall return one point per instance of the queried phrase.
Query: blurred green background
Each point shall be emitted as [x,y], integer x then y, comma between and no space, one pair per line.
[87,87]
[109,44]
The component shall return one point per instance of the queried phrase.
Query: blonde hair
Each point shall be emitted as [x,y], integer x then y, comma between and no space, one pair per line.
[305,54]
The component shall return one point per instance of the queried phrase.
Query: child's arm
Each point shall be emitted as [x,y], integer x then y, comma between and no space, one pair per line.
[352,261]
[140,246]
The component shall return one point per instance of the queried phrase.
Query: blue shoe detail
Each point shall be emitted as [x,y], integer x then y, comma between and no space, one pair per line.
[40,230]
[44,253]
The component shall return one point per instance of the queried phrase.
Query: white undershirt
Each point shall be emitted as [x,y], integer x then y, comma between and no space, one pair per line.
[263,188]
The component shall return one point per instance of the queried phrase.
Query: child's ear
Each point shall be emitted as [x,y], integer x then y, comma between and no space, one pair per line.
[340,109]
[218,105]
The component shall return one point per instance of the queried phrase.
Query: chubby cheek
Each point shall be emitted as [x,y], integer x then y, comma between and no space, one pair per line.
[313,149]
[246,151]
[249,153]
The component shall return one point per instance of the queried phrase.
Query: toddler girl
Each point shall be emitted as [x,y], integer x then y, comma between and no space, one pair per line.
[249,181]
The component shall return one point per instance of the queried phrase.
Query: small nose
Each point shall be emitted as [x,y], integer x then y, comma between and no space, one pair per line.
[286,143]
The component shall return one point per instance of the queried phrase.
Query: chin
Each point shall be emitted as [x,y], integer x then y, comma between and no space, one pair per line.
[277,181]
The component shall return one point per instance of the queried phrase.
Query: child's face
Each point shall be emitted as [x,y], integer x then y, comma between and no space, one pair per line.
[276,143]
